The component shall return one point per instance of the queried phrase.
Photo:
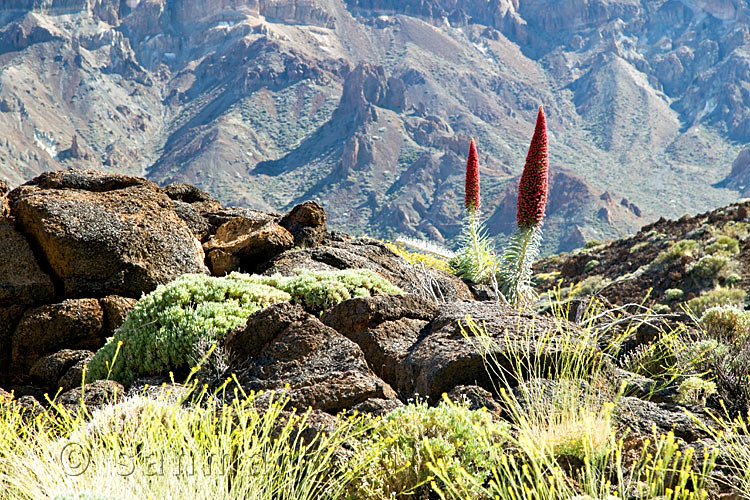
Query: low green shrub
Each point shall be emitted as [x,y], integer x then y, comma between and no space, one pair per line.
[682,248]
[724,244]
[697,354]
[718,296]
[160,334]
[733,279]
[589,286]
[415,436]
[710,267]
[320,290]
[672,294]
[590,265]
[657,359]
[726,322]
[695,390]
[639,246]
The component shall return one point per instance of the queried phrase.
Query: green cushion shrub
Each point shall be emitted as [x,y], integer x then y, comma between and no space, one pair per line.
[416,435]
[682,248]
[724,244]
[710,267]
[716,297]
[161,333]
[321,290]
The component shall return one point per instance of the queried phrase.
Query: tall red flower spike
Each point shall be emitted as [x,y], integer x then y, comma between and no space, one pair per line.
[471,199]
[532,190]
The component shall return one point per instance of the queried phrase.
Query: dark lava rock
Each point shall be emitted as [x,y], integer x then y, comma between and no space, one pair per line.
[282,344]
[105,234]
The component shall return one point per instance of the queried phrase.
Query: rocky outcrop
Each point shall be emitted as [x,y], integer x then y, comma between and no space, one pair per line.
[739,177]
[283,345]
[245,242]
[444,357]
[307,223]
[9,317]
[22,280]
[94,395]
[48,370]
[641,416]
[71,324]
[384,327]
[116,309]
[343,252]
[104,234]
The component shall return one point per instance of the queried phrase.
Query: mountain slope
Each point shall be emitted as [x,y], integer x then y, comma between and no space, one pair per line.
[368,105]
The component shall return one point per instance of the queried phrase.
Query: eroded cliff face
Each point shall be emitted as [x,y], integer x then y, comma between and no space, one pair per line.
[267,102]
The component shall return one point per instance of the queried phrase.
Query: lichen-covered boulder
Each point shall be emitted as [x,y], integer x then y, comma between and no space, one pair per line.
[104,233]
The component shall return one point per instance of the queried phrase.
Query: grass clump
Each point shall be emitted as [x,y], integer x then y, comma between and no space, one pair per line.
[416,436]
[169,451]
[161,333]
[715,297]
[85,496]
[421,258]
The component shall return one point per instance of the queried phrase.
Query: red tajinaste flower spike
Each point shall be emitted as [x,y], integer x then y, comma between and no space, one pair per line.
[532,190]
[471,198]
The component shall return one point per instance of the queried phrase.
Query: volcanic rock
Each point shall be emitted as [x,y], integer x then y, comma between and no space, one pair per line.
[283,344]
[104,233]
[71,324]
[22,281]
[47,370]
[116,309]
[343,252]
[385,327]
[306,222]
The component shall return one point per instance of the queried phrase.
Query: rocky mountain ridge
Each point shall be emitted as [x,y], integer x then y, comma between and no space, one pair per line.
[368,106]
